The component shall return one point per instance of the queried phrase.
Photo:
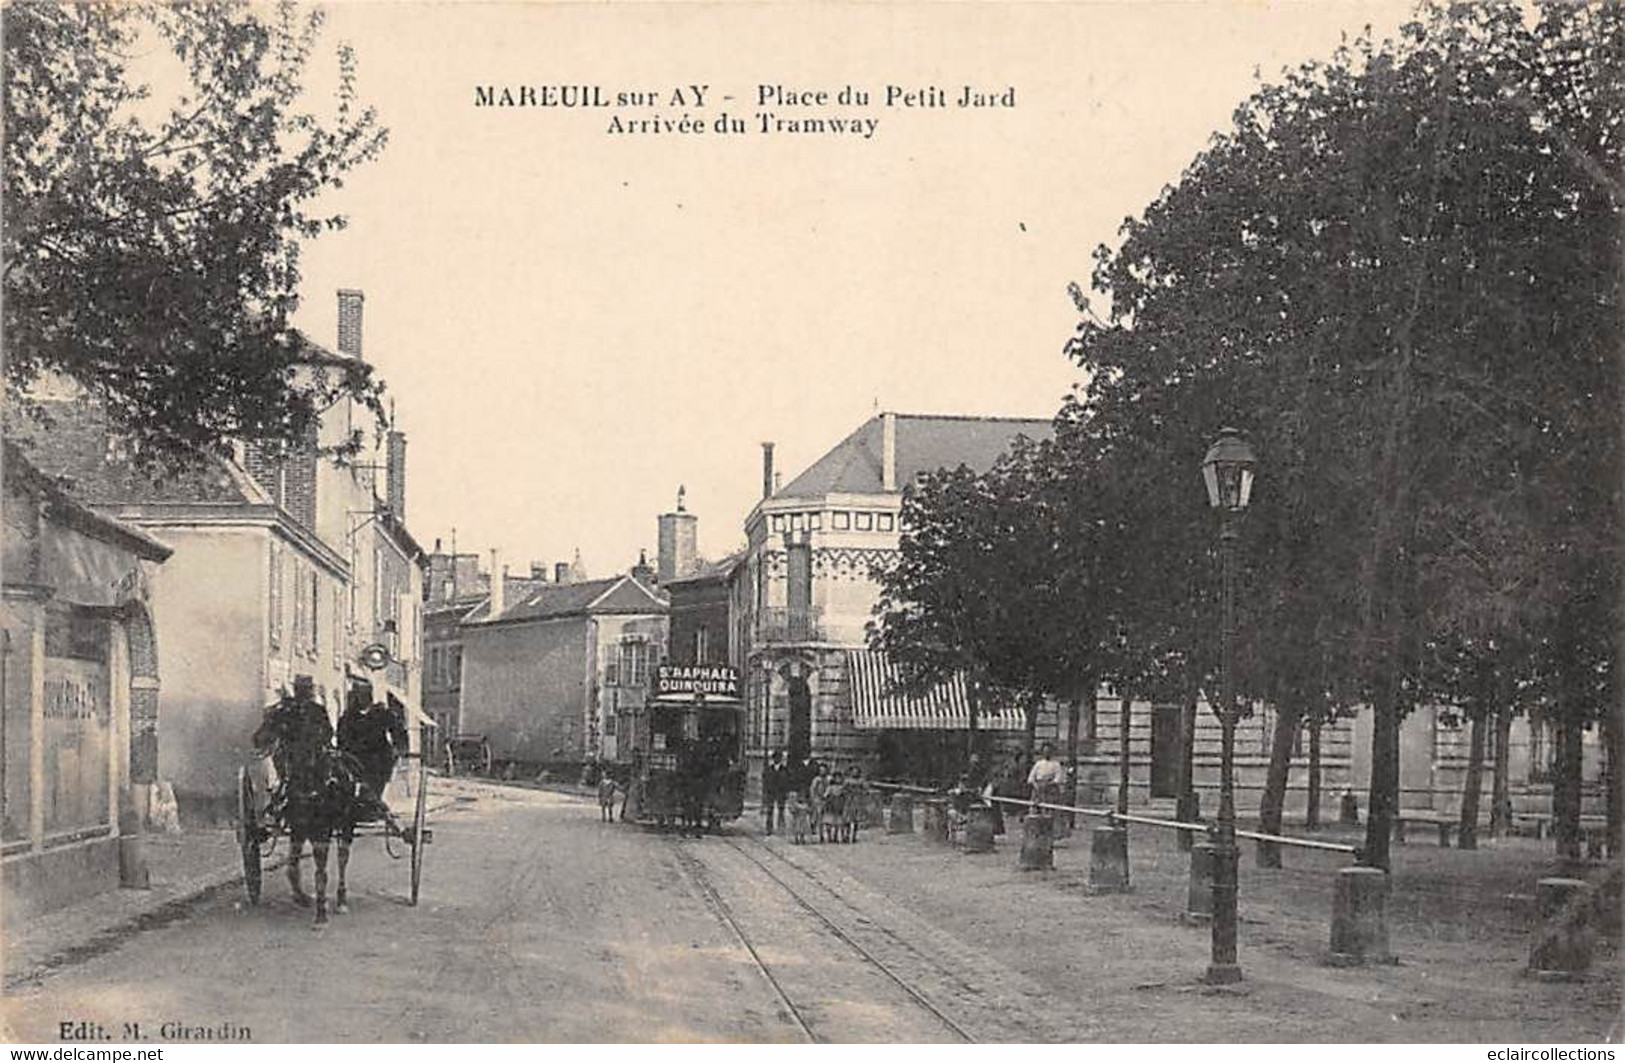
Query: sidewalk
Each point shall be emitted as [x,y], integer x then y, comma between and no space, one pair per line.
[185,869]
[1461,924]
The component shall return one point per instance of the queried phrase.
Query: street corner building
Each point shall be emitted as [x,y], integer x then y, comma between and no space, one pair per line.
[805,588]
[79,678]
[281,563]
[555,677]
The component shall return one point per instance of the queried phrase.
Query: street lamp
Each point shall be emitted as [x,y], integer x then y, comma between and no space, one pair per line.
[1228,472]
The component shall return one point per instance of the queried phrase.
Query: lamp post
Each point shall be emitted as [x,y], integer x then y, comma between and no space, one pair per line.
[1228,472]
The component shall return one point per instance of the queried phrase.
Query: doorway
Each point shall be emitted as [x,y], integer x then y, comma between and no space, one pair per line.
[1165,750]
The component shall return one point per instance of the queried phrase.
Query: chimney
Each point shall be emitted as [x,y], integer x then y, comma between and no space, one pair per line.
[888,452]
[538,571]
[561,572]
[350,300]
[499,587]
[767,470]
[395,473]
[677,548]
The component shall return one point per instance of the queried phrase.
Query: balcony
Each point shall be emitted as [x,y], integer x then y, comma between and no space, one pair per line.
[789,625]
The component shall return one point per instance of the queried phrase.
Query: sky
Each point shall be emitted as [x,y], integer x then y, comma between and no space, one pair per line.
[573,321]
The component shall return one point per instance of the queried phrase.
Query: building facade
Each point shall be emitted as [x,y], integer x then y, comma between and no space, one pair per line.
[79,692]
[804,590]
[284,563]
[553,678]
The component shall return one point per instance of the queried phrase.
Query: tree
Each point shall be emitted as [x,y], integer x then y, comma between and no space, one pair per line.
[151,247]
[976,585]
[1428,280]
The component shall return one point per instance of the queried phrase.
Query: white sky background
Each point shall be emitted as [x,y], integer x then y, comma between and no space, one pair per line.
[571,324]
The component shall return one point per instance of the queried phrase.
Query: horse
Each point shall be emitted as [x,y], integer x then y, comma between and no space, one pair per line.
[320,796]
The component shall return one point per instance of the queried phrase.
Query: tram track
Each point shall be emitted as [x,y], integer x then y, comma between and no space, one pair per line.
[809,1027]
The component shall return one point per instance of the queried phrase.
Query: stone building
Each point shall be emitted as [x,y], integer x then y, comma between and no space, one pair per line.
[804,590]
[79,693]
[284,563]
[553,677]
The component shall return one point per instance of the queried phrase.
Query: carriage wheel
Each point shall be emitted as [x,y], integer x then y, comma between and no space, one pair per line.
[248,835]
[420,837]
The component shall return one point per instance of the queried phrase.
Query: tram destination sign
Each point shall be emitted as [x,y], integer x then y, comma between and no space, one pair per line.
[695,682]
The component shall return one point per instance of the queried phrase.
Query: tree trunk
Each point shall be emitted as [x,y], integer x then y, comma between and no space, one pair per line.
[1311,816]
[1383,797]
[1270,808]
[1500,790]
[1189,806]
[1029,732]
[1124,715]
[1610,747]
[1473,784]
[1073,721]
[1566,784]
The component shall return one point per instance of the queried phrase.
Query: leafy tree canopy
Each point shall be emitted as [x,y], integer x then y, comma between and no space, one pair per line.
[151,246]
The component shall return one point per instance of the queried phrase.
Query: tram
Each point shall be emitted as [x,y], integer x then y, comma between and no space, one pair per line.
[687,764]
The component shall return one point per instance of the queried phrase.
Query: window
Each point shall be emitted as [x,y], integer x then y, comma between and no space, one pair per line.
[776,522]
[887,522]
[455,667]
[338,629]
[840,520]
[815,521]
[865,521]
[1541,749]
[378,598]
[797,522]
[612,668]
[274,602]
[701,638]
[448,590]
[634,663]
[315,613]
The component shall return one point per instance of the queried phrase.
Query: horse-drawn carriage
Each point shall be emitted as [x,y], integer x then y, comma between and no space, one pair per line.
[326,792]
[259,828]
[685,767]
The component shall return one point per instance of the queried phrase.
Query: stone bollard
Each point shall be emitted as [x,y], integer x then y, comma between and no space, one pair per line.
[1199,898]
[1108,859]
[979,830]
[1348,809]
[874,808]
[900,819]
[936,819]
[1037,842]
[1360,918]
[1562,951]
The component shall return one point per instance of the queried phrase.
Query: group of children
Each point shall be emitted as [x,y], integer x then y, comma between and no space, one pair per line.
[832,808]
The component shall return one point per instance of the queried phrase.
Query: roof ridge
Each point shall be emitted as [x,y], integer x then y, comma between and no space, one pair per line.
[989,418]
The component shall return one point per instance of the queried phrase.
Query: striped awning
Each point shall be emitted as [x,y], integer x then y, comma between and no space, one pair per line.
[879,701]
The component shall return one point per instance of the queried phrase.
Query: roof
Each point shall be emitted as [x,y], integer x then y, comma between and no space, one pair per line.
[710,570]
[925,443]
[72,444]
[615,594]
[69,511]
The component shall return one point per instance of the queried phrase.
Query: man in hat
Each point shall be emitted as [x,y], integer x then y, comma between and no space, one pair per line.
[375,735]
[292,729]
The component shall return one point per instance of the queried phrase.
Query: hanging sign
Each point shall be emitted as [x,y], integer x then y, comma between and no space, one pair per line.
[375,657]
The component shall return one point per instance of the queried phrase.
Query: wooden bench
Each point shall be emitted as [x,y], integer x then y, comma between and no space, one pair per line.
[1446,824]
